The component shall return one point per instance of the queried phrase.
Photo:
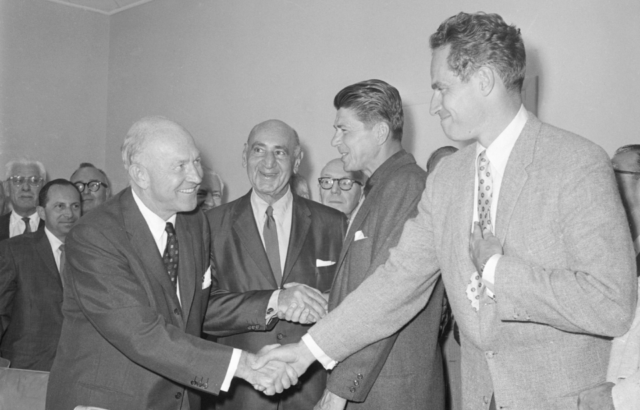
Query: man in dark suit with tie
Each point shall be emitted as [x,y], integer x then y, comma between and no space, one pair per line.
[136,291]
[271,249]
[403,371]
[30,281]
[626,166]
[24,178]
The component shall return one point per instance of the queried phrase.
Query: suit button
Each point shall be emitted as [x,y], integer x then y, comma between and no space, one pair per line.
[356,383]
[176,312]
[193,382]
[352,389]
[485,399]
[178,395]
[280,336]
[360,376]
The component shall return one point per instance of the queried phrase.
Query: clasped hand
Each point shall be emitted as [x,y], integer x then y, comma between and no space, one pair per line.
[271,377]
[293,358]
[301,303]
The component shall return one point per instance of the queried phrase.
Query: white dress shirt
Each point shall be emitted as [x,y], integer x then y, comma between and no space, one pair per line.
[498,154]
[157,227]
[17,225]
[55,243]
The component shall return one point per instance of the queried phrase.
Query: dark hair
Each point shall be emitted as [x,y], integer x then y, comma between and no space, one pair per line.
[373,101]
[437,154]
[635,148]
[481,39]
[43,196]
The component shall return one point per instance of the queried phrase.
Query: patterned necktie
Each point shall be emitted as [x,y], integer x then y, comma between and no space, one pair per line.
[27,224]
[62,262]
[485,195]
[170,256]
[270,234]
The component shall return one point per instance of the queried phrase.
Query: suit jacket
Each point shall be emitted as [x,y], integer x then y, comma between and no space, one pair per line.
[404,370]
[127,342]
[564,286]
[30,302]
[5,222]
[242,283]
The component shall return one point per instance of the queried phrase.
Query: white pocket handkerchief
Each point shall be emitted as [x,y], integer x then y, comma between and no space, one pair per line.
[359,236]
[321,263]
[206,279]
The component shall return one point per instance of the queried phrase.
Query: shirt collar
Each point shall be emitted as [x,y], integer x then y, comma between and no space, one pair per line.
[280,207]
[156,224]
[500,149]
[16,218]
[53,240]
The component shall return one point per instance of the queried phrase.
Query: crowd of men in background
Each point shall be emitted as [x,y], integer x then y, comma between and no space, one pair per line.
[170,293]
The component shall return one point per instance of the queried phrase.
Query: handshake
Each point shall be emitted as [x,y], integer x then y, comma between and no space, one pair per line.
[275,368]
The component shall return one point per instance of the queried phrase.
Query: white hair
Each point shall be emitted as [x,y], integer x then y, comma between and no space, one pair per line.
[135,141]
[28,163]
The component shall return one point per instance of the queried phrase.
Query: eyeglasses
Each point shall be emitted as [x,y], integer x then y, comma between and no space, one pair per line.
[19,181]
[345,184]
[92,185]
[619,171]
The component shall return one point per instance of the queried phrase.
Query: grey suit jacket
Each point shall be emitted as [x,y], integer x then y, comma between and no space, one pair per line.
[564,286]
[127,342]
[403,371]
[30,302]
[242,283]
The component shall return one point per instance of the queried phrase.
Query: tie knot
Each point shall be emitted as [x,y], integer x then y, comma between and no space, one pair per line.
[170,230]
[61,247]
[26,220]
[270,211]
[482,158]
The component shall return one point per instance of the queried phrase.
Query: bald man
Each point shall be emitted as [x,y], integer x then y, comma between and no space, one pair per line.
[340,189]
[272,249]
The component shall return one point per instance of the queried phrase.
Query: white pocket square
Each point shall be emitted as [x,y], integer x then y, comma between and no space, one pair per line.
[321,263]
[206,279]
[359,236]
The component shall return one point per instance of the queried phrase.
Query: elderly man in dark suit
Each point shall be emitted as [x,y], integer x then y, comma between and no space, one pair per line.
[272,249]
[527,228]
[136,291]
[403,371]
[30,281]
[24,179]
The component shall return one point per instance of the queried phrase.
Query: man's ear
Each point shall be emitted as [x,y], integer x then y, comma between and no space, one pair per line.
[382,132]
[244,155]
[486,78]
[139,175]
[297,161]
[40,211]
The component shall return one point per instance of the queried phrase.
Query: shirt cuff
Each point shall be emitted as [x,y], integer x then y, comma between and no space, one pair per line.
[231,371]
[489,274]
[318,353]
[272,307]
[626,393]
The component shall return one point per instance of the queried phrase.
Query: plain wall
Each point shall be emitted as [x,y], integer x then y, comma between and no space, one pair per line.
[220,67]
[53,85]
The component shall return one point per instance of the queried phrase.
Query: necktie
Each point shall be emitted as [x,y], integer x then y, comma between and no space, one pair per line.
[270,233]
[485,196]
[62,260]
[27,225]
[170,256]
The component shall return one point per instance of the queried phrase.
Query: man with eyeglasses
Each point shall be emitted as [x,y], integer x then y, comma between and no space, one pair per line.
[24,178]
[93,184]
[340,189]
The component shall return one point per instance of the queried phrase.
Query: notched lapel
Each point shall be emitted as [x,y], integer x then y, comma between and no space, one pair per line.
[464,207]
[189,276]
[515,175]
[245,227]
[299,228]
[45,253]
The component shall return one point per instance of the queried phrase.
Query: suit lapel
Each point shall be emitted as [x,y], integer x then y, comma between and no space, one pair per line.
[144,245]
[45,253]
[300,223]
[186,261]
[246,229]
[465,208]
[515,175]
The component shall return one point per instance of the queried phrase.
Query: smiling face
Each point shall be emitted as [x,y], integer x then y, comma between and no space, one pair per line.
[457,103]
[61,211]
[171,172]
[356,142]
[90,199]
[343,201]
[271,156]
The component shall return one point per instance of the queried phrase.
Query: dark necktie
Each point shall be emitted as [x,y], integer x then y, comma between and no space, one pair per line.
[270,233]
[62,261]
[170,256]
[27,225]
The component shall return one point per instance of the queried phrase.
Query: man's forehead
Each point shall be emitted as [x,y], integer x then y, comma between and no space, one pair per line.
[25,170]
[88,174]
[335,170]
[271,140]
[63,194]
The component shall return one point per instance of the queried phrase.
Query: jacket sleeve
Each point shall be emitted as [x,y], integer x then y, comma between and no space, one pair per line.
[8,285]
[110,285]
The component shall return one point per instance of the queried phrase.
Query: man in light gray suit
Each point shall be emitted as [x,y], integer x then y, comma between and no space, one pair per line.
[539,279]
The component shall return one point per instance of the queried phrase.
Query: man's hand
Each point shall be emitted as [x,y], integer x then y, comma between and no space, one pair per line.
[270,379]
[301,303]
[296,355]
[597,398]
[482,246]
[330,401]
